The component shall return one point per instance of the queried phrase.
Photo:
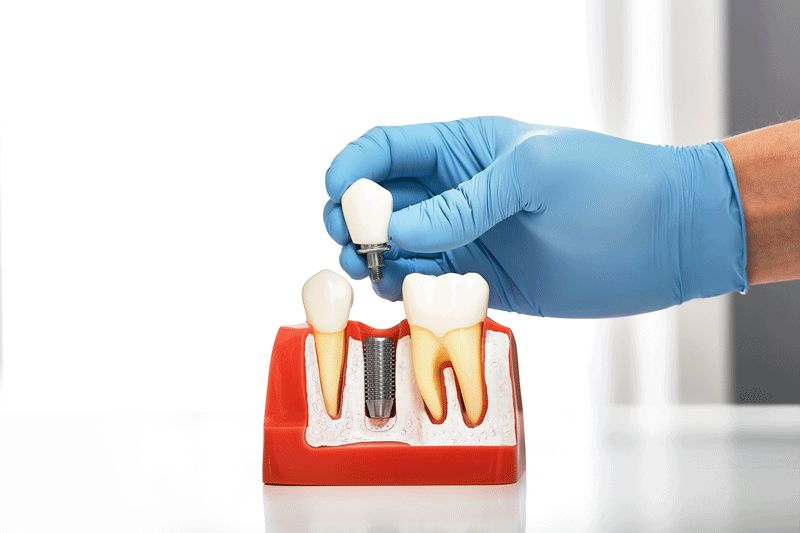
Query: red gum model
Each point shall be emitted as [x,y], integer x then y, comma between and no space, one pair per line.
[289,460]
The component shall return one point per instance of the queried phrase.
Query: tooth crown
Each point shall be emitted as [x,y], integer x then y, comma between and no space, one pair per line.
[327,298]
[367,209]
[444,303]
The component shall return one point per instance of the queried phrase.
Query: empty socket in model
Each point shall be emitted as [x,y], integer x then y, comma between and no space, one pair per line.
[379,376]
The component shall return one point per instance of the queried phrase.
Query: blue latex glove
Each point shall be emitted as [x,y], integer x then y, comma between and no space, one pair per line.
[560,222]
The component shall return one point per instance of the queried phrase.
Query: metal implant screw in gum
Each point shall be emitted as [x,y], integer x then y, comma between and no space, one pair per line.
[379,379]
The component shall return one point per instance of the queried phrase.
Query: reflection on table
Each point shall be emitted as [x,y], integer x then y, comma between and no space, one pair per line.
[450,509]
[666,468]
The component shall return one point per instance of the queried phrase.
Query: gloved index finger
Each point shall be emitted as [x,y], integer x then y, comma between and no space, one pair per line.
[386,152]
[405,192]
[458,216]
[333,217]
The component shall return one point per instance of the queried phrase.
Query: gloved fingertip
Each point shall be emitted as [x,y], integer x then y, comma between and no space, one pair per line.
[399,229]
[410,229]
[367,157]
[352,263]
[335,181]
[335,223]
[393,253]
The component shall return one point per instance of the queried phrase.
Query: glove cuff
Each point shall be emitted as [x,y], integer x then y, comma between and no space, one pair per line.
[713,236]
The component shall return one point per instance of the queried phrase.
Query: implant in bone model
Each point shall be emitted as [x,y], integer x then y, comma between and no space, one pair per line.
[379,376]
[321,428]
[327,298]
[445,316]
[367,208]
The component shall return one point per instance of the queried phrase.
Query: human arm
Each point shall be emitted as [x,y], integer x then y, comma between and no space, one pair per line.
[560,222]
[767,164]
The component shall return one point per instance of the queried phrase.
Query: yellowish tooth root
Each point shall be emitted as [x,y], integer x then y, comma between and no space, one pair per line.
[428,354]
[330,358]
[465,348]
[462,348]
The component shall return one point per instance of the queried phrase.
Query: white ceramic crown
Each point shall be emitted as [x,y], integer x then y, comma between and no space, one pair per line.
[444,303]
[327,298]
[367,209]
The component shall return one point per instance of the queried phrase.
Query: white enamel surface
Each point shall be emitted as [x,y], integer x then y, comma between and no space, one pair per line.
[444,303]
[367,209]
[327,297]
[412,425]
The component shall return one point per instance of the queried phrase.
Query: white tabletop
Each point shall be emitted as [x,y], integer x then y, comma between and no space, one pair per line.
[620,469]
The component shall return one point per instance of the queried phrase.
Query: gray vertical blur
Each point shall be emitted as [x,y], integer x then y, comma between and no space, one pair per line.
[698,35]
[764,88]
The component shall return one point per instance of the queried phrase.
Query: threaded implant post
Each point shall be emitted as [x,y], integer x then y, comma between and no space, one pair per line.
[373,253]
[379,376]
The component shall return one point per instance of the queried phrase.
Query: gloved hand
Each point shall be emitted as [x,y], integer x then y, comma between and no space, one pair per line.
[560,222]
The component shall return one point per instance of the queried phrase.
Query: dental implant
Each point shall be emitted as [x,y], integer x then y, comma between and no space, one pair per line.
[373,254]
[379,380]
[367,208]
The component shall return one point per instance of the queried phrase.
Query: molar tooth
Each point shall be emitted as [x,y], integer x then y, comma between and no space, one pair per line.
[445,317]
[327,298]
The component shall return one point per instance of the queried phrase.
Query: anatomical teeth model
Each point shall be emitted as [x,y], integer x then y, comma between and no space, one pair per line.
[445,315]
[434,399]
[327,298]
[367,208]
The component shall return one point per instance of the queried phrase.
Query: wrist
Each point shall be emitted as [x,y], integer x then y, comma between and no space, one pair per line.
[713,239]
[767,164]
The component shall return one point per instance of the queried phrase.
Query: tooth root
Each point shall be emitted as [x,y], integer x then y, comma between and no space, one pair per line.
[330,358]
[428,355]
[464,347]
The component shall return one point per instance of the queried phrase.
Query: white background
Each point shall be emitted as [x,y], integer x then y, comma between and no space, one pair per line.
[161,195]
[163,169]
[163,176]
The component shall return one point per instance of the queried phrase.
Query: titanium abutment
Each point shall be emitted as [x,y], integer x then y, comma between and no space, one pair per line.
[379,376]
[373,254]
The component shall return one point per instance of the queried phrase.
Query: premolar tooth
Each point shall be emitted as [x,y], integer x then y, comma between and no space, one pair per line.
[445,317]
[327,298]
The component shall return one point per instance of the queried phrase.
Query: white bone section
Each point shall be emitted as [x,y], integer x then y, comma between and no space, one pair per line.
[412,425]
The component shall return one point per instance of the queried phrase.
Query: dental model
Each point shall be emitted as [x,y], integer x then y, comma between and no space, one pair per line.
[367,208]
[439,405]
[327,298]
[445,317]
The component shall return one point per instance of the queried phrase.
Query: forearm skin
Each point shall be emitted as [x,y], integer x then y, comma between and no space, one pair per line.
[767,166]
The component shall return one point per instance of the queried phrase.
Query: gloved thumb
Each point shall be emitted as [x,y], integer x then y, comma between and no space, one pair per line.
[459,216]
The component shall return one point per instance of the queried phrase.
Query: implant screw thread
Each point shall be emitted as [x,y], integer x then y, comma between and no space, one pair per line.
[379,376]
[375,264]
[373,253]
